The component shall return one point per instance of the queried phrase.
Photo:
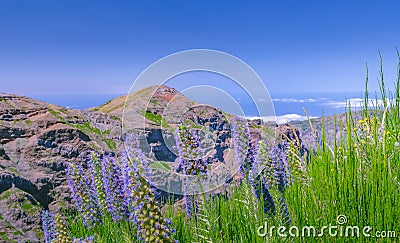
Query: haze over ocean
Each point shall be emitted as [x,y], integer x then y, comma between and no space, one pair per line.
[288,106]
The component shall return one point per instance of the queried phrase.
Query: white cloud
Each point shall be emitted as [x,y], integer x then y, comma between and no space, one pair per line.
[357,103]
[282,119]
[291,100]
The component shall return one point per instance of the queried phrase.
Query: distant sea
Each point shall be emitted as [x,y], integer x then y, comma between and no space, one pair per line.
[288,106]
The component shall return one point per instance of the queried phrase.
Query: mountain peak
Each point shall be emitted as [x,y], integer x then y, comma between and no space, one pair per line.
[159,95]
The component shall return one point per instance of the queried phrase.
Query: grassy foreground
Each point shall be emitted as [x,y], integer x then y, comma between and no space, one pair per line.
[348,190]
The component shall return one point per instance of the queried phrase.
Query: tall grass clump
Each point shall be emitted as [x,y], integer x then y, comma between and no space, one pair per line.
[355,177]
[346,189]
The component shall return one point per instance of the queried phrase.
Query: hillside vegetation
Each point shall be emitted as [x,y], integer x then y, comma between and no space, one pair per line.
[347,189]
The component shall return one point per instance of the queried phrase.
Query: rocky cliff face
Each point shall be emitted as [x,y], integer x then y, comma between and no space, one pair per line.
[38,139]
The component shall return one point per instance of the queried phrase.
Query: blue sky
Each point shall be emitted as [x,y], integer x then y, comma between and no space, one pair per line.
[100,47]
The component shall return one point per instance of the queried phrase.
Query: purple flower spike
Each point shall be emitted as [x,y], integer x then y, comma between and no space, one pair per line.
[190,155]
[94,165]
[82,188]
[243,147]
[284,212]
[139,198]
[48,226]
[113,187]
[281,168]
[258,179]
